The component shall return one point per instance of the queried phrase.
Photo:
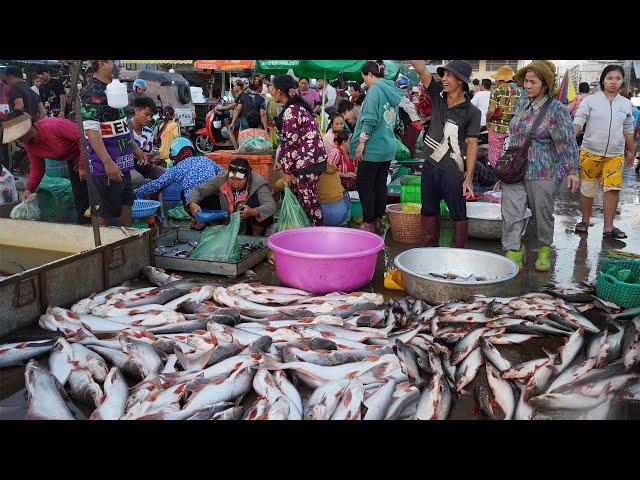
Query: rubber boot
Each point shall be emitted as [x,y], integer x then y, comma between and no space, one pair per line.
[460,230]
[543,262]
[368,227]
[430,227]
[517,256]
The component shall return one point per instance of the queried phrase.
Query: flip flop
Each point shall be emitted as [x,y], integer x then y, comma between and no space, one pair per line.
[614,233]
[581,227]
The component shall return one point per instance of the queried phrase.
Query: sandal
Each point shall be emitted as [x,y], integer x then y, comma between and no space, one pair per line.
[614,233]
[581,227]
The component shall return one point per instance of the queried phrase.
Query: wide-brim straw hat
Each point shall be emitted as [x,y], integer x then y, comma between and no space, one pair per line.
[544,69]
[15,128]
[504,73]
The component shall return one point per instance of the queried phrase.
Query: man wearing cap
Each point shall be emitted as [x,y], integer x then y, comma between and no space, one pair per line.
[451,146]
[502,104]
[239,189]
[54,138]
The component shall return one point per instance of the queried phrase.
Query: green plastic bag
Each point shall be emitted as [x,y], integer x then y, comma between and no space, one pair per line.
[256,145]
[292,215]
[623,274]
[56,200]
[179,213]
[402,152]
[220,243]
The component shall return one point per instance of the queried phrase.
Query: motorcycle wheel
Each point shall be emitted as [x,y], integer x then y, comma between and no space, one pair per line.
[203,144]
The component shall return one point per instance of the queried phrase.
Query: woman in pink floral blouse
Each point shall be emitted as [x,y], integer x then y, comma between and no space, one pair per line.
[302,152]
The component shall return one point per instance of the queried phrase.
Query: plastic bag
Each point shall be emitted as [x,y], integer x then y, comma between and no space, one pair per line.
[26,210]
[256,145]
[179,213]
[8,192]
[402,152]
[292,215]
[220,243]
[56,200]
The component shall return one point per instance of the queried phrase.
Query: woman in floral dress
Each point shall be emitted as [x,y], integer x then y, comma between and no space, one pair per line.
[302,153]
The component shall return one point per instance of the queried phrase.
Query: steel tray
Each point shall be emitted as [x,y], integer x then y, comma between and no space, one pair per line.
[207,266]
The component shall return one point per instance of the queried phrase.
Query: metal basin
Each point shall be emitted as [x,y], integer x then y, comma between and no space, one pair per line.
[485,220]
[417,264]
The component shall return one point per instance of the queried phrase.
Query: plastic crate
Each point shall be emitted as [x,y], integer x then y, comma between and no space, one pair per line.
[55,168]
[262,164]
[410,189]
[144,208]
[626,295]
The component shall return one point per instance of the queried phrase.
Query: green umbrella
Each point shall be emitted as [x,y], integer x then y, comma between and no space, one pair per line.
[323,68]
[350,69]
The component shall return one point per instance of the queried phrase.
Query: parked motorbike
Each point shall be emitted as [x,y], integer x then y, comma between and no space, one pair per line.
[209,137]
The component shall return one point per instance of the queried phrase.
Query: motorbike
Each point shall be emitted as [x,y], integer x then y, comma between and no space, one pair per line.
[209,137]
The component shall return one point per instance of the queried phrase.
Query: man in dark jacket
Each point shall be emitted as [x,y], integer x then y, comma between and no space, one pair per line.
[239,189]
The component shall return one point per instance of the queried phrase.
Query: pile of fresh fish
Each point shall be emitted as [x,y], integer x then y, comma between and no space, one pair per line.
[182,250]
[272,353]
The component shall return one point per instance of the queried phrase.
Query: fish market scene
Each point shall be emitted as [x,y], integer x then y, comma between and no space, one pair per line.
[320,240]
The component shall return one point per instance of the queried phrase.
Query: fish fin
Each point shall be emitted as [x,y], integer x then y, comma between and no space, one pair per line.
[195,363]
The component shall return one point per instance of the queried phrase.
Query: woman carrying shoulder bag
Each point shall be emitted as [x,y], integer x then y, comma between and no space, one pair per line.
[542,151]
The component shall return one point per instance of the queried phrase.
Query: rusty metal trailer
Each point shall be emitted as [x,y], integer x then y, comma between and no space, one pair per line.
[51,264]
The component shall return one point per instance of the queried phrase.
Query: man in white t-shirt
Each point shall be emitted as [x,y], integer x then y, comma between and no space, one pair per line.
[481,100]
[330,93]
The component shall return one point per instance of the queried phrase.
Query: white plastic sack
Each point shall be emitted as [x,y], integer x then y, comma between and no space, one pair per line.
[27,210]
[8,192]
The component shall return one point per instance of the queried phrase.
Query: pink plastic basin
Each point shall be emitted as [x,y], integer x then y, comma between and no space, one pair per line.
[325,259]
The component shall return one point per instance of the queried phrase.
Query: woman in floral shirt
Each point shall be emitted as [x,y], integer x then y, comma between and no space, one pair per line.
[552,156]
[302,152]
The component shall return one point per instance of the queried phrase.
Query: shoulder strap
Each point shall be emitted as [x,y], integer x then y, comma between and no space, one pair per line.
[539,117]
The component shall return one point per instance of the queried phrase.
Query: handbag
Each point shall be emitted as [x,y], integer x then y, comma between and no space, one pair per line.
[512,164]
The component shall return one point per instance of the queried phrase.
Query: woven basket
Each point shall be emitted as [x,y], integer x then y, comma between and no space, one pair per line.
[405,226]
[609,288]
[605,263]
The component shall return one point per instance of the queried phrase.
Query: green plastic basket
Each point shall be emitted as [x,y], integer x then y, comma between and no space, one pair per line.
[606,263]
[410,189]
[626,295]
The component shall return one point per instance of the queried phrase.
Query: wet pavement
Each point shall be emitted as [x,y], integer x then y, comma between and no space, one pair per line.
[575,259]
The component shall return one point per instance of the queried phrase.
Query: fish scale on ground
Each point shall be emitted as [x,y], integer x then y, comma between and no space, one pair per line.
[360,358]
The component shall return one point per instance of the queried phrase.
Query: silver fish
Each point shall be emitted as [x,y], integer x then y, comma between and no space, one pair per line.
[435,402]
[613,384]
[466,345]
[143,355]
[541,378]
[523,371]
[601,412]
[158,277]
[156,297]
[13,354]
[265,385]
[207,413]
[350,405]
[83,388]
[60,361]
[378,404]
[85,358]
[324,400]
[502,391]
[47,399]
[289,391]
[566,401]
[408,362]
[493,355]
[467,370]
[234,413]
[571,375]
[404,396]
[238,384]
[112,404]
[569,351]
[510,338]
